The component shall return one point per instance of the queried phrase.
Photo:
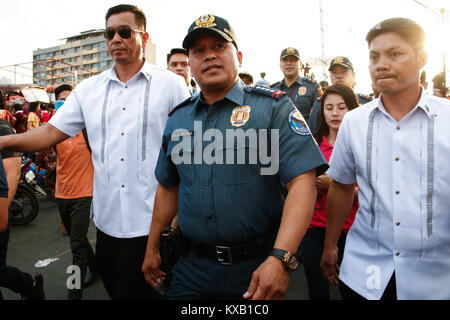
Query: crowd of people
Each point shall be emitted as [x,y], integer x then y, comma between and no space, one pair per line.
[358,195]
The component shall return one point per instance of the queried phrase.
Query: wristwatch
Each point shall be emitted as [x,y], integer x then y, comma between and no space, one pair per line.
[290,260]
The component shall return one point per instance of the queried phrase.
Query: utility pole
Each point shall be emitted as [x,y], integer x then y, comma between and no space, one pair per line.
[322,40]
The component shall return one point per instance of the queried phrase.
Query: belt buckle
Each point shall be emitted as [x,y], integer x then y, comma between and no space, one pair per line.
[224,255]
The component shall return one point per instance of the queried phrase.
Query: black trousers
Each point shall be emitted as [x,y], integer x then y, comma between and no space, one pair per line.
[311,250]
[75,215]
[11,277]
[390,293]
[119,264]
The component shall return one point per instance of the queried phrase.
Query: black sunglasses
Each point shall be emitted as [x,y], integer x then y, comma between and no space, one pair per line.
[124,32]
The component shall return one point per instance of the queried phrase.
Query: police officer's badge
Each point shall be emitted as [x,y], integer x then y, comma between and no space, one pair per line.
[302,91]
[240,116]
[298,124]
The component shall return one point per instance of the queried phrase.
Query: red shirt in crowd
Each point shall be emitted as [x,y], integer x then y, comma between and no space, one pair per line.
[319,218]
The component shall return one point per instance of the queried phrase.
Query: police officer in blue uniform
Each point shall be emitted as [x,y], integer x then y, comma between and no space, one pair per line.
[302,91]
[242,214]
[341,71]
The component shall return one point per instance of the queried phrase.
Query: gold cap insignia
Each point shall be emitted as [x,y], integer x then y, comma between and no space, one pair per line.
[290,50]
[338,60]
[205,21]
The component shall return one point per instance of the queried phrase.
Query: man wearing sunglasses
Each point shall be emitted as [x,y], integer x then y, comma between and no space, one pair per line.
[124,110]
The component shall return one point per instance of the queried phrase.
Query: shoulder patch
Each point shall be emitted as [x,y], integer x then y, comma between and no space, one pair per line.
[275,94]
[181,105]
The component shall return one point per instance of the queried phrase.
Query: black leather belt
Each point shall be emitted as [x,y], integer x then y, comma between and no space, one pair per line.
[229,255]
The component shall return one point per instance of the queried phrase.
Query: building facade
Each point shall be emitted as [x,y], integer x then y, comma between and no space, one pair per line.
[80,57]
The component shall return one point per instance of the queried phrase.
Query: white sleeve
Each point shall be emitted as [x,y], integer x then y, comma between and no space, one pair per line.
[342,162]
[179,92]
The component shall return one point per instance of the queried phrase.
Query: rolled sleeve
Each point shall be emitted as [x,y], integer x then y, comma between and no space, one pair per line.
[342,162]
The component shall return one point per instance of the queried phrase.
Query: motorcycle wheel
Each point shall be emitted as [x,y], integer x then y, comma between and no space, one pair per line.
[25,206]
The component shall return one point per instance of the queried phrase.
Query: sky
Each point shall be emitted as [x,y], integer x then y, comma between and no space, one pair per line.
[263,29]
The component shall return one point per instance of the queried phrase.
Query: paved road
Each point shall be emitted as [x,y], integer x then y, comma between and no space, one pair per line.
[41,239]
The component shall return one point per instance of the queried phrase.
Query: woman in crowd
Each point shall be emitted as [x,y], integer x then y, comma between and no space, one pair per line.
[337,100]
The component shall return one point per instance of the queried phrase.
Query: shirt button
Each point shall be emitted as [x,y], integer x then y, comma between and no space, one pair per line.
[397,253]
[209,218]
[397,224]
[126,87]
[206,183]
[397,192]
[122,159]
[397,159]
[122,134]
[123,186]
[124,108]
[398,127]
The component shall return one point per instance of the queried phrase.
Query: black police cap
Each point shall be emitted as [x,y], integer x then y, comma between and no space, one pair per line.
[289,52]
[341,61]
[209,22]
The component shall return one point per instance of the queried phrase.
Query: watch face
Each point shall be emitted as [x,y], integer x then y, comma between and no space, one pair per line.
[292,262]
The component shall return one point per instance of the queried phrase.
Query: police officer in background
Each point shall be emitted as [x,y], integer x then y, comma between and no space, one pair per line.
[342,72]
[241,225]
[302,91]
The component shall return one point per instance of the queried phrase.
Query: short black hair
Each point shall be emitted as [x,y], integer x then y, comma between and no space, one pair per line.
[139,15]
[407,29]
[32,106]
[62,88]
[175,51]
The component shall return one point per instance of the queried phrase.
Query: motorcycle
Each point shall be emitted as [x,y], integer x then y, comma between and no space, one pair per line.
[24,207]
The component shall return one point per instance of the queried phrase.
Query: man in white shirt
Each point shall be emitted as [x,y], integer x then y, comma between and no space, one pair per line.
[396,148]
[124,110]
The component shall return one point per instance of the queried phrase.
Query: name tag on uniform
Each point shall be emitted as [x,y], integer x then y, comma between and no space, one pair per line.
[180,133]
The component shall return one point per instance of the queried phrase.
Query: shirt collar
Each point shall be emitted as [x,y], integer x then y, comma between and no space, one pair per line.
[422,104]
[235,94]
[145,71]
[298,81]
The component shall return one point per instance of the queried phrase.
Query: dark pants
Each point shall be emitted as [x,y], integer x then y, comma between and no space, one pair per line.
[11,277]
[201,278]
[390,293]
[75,215]
[119,264]
[310,250]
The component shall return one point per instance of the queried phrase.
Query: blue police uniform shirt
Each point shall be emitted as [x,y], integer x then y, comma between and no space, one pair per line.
[363,98]
[226,204]
[303,93]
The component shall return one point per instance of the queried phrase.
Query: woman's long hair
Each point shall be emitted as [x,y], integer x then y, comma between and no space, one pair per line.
[350,100]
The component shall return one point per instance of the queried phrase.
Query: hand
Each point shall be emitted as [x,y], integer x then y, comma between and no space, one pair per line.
[323,182]
[150,268]
[329,265]
[269,282]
